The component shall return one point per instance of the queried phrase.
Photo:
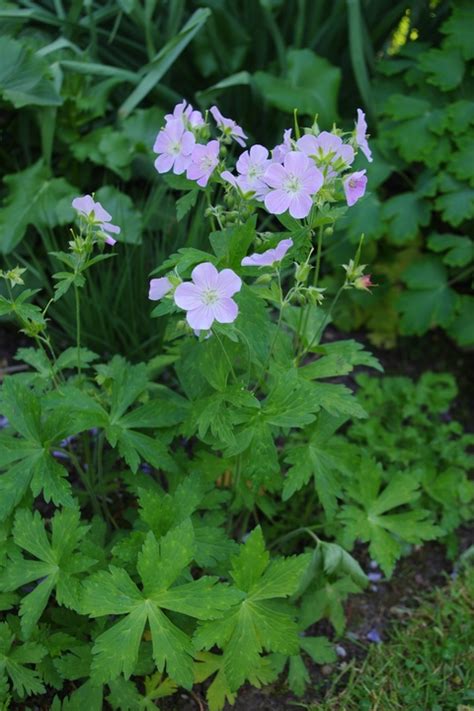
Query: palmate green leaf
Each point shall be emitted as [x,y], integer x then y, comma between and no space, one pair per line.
[337,359]
[36,198]
[319,458]
[429,300]
[461,162]
[231,244]
[31,458]
[262,621]
[458,29]
[127,383]
[461,327]
[459,250]
[405,214]
[14,658]
[298,88]
[457,203]
[371,522]
[25,78]
[160,564]
[57,563]
[288,404]
[445,67]
[325,599]
[416,128]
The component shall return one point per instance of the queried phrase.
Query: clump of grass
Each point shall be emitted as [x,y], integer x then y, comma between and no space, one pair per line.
[428,664]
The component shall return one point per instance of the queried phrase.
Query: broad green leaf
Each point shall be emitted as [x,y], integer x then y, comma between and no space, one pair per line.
[25,78]
[405,214]
[458,29]
[311,86]
[445,67]
[459,250]
[35,198]
[429,300]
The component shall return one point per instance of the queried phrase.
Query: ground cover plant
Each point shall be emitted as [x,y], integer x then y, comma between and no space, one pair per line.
[188,519]
[426,664]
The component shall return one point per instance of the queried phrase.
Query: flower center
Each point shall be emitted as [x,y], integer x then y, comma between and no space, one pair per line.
[292,184]
[175,148]
[209,297]
[207,163]
[352,183]
[255,171]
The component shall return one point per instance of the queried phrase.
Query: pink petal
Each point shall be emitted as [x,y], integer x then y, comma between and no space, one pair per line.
[181,163]
[308,144]
[300,205]
[258,153]
[313,180]
[275,175]
[100,213]
[346,152]
[164,163]
[201,318]
[187,296]
[243,163]
[158,288]
[175,129]
[228,283]
[277,201]
[84,204]
[205,276]
[225,310]
[187,143]
[162,142]
[110,240]
[296,162]
[216,115]
[109,227]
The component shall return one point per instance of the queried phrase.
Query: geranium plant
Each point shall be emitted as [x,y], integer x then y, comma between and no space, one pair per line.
[193,515]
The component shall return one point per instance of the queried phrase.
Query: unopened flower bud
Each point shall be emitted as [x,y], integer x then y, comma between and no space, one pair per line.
[363,282]
[302,272]
[328,231]
[264,279]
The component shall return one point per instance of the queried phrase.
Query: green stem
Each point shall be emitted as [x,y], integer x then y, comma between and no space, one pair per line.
[78,328]
[318,257]
[304,314]
[226,355]
[297,532]
[322,326]
[84,477]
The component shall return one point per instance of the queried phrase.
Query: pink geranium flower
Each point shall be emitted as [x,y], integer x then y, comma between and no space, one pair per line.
[228,126]
[354,186]
[159,288]
[203,161]
[252,165]
[293,185]
[326,148]
[175,145]
[361,135]
[93,211]
[270,257]
[187,115]
[208,297]
[280,151]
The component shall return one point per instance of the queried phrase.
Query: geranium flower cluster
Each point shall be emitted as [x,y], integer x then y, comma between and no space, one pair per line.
[286,179]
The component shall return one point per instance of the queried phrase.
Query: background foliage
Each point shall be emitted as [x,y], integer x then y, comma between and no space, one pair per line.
[85,87]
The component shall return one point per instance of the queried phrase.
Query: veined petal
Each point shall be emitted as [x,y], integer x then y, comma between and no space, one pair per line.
[300,205]
[277,201]
[275,175]
[188,296]
[228,283]
[296,162]
[159,288]
[84,204]
[200,319]
[164,163]
[225,310]
[205,276]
